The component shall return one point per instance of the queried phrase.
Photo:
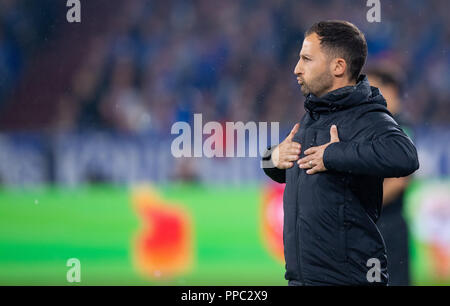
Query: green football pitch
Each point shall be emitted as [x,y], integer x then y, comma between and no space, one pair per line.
[41,229]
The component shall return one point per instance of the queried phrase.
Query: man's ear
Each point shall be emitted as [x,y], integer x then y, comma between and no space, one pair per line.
[338,67]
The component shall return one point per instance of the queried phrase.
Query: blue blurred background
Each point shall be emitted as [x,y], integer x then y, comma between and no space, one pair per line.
[94,102]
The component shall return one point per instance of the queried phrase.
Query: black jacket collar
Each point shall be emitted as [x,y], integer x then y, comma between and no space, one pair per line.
[345,97]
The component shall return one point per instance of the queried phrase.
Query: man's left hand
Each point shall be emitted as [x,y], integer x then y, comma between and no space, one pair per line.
[314,155]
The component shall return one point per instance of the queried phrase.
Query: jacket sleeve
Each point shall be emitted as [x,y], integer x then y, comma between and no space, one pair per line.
[389,153]
[278,175]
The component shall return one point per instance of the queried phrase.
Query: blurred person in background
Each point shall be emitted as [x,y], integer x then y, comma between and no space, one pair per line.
[392,225]
[122,105]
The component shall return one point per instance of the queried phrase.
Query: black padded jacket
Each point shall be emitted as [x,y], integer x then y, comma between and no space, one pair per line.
[330,236]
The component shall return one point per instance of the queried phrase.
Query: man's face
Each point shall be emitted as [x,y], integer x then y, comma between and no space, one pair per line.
[313,68]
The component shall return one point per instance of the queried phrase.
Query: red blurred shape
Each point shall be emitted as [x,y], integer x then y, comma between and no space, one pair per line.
[163,245]
[272,220]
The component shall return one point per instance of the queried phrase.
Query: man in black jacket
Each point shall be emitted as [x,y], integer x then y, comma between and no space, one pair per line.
[334,163]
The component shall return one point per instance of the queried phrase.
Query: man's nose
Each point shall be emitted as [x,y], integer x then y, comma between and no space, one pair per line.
[297,69]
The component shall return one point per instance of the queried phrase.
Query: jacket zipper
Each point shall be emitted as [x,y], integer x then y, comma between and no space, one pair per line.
[297,234]
[297,223]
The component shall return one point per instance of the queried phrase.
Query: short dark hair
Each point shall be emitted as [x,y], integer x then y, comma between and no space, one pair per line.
[386,77]
[342,39]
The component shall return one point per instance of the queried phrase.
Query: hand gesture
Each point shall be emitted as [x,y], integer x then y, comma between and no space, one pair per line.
[287,152]
[314,155]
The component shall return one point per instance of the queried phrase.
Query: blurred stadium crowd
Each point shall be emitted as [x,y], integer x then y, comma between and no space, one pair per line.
[157,62]
[23,29]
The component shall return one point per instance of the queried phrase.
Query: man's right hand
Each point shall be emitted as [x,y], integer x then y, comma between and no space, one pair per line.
[287,152]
